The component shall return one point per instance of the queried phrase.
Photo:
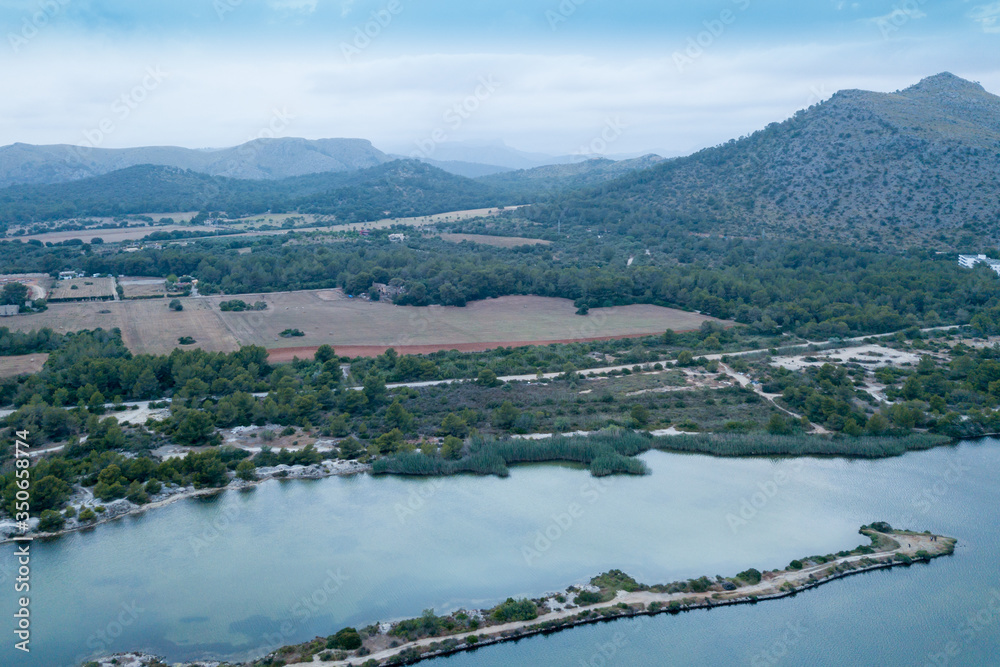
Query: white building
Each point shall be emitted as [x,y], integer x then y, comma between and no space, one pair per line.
[397,238]
[969,261]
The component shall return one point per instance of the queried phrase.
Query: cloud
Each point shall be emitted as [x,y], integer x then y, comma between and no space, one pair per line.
[303,6]
[988,16]
[218,94]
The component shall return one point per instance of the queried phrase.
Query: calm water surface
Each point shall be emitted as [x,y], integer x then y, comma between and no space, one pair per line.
[238,574]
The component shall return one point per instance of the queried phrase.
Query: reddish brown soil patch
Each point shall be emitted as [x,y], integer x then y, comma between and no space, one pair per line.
[286,354]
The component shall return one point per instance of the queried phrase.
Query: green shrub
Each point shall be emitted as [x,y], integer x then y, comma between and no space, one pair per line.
[586,598]
[51,521]
[514,610]
[347,639]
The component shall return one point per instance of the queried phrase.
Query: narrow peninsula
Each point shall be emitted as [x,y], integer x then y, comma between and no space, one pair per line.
[610,595]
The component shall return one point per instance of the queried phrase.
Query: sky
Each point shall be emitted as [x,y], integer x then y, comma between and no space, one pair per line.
[614,77]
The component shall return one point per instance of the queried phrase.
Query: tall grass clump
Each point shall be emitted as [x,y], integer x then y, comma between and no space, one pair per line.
[605,453]
[764,444]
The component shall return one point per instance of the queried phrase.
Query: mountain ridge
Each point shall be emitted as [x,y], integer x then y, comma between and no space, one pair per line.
[878,168]
[263,159]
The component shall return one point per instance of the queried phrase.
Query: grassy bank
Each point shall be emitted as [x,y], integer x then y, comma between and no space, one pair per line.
[762,444]
[604,453]
[612,452]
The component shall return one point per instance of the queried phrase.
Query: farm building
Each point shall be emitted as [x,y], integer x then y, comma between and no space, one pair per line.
[969,261]
[8,311]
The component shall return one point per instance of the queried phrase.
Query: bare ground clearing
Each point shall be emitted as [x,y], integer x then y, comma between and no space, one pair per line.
[24,364]
[869,356]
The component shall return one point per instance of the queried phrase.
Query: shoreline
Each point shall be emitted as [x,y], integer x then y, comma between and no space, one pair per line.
[346,468]
[316,471]
[779,584]
[610,596]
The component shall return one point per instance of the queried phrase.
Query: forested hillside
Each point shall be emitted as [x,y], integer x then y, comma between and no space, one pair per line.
[921,165]
[400,188]
[542,181]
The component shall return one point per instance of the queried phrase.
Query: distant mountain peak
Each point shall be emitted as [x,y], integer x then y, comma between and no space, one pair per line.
[944,82]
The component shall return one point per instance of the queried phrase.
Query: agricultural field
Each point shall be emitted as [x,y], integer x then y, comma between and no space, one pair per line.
[358,327]
[115,235]
[355,327]
[24,364]
[138,288]
[83,288]
[497,241]
[148,326]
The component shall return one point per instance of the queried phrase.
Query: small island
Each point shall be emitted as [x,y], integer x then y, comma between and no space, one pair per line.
[610,595]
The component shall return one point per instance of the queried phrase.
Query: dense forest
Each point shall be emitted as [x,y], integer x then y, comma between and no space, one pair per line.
[402,188]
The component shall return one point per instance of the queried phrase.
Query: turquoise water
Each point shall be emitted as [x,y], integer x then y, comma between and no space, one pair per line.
[240,573]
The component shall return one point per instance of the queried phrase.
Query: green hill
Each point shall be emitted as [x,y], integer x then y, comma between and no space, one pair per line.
[399,188]
[917,166]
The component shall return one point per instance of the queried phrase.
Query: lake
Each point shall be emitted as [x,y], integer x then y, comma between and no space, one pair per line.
[241,573]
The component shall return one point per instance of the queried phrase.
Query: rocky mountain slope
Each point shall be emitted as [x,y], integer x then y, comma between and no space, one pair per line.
[920,165]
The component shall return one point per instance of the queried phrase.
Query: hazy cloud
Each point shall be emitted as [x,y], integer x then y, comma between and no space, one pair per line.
[988,16]
[304,6]
[551,103]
